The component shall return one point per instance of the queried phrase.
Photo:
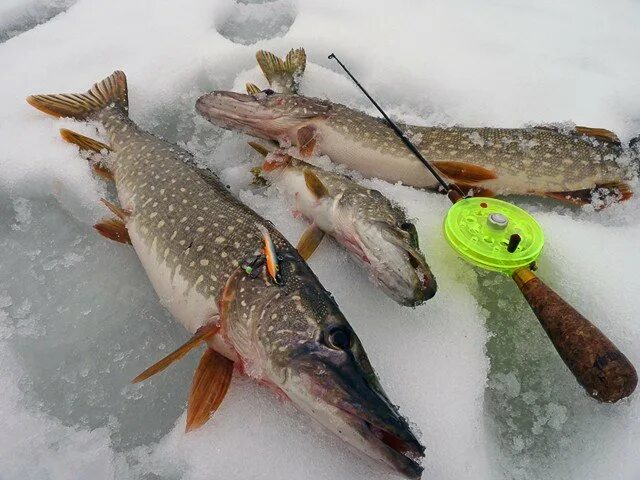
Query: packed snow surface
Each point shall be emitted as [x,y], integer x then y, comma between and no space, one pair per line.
[471,369]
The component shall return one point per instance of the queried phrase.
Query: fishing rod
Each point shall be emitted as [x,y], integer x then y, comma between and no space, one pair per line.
[501,237]
[408,143]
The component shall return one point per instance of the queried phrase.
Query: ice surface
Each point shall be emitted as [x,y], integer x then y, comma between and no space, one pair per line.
[471,368]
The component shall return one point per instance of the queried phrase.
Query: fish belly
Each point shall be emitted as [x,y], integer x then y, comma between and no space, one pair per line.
[374,163]
[190,307]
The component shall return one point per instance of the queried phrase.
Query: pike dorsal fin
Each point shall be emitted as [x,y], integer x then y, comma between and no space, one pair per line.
[596,133]
[599,134]
[83,142]
[91,149]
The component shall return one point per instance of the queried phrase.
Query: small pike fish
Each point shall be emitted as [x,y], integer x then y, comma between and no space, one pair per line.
[212,262]
[569,165]
[363,220]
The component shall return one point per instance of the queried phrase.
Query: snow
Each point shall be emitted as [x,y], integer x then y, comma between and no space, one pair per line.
[471,368]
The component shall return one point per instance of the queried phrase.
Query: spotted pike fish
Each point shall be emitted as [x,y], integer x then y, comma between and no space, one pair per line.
[235,283]
[361,219]
[568,164]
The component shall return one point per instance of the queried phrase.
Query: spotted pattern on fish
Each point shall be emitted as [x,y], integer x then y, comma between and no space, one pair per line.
[545,160]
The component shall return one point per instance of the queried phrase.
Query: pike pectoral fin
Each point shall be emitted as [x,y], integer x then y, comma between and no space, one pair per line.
[89,148]
[258,147]
[307,140]
[620,190]
[252,89]
[113,229]
[465,172]
[309,241]
[315,186]
[208,388]
[201,335]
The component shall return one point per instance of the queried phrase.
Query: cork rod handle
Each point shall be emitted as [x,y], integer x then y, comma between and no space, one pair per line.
[598,365]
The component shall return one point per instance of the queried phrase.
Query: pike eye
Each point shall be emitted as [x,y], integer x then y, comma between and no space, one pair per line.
[268,91]
[410,228]
[338,338]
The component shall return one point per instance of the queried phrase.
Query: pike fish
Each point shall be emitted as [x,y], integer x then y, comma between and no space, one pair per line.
[361,219]
[235,283]
[568,164]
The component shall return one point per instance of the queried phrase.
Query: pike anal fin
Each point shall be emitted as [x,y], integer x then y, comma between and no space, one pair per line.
[208,388]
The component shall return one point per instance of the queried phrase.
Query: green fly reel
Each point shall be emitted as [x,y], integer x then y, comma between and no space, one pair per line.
[493,234]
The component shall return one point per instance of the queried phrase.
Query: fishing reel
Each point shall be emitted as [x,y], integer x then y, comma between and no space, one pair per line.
[498,236]
[493,234]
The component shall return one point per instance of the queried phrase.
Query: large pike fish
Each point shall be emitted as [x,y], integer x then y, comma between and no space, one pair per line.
[571,164]
[234,282]
[364,221]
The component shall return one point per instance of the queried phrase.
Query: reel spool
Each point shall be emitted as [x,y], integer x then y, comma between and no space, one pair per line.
[493,234]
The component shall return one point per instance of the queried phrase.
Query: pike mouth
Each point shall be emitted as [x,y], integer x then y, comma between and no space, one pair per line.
[402,454]
[231,105]
[237,111]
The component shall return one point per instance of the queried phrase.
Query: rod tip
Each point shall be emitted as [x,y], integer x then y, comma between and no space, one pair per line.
[331,55]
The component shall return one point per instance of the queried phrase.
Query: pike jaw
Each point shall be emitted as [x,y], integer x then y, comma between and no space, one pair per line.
[395,262]
[265,115]
[294,338]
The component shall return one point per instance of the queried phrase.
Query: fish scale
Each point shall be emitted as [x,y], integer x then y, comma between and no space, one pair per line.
[211,261]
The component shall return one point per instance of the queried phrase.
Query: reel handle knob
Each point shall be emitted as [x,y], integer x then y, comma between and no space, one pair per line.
[598,365]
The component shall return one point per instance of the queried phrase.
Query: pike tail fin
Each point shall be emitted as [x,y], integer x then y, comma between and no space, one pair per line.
[110,91]
[285,74]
